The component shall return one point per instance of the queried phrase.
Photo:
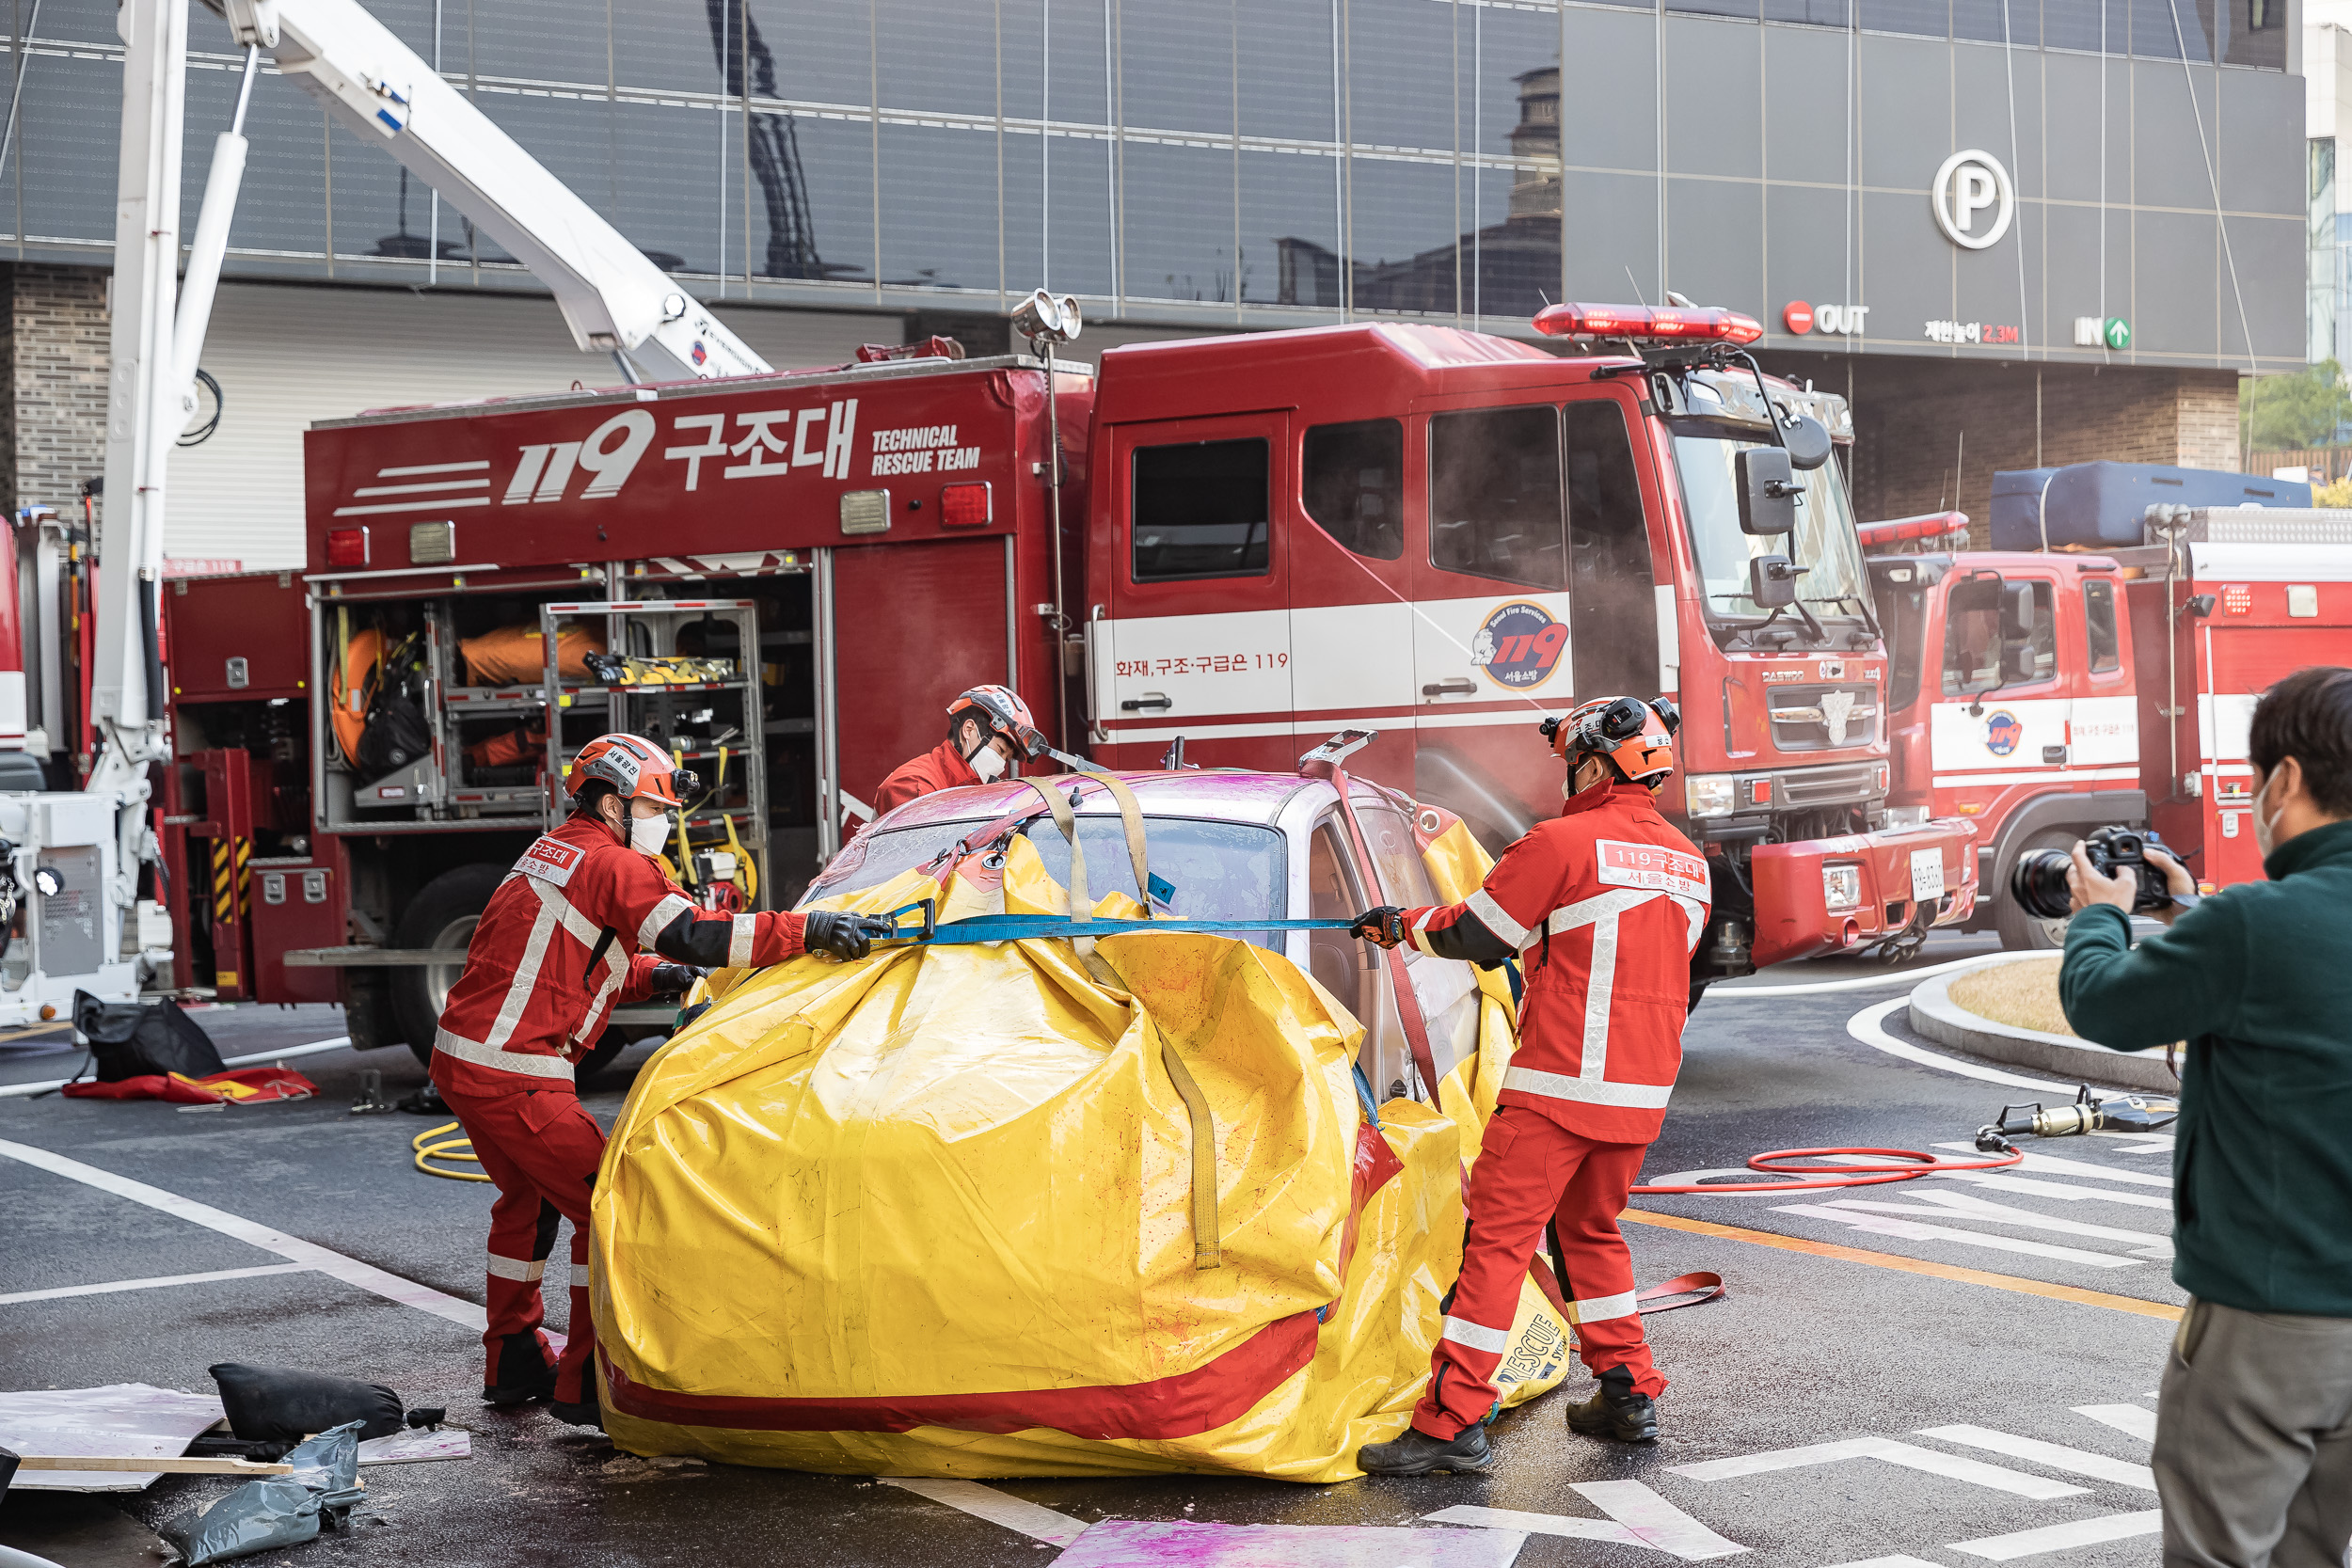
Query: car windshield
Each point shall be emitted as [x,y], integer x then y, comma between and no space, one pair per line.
[1218,870]
[1824,544]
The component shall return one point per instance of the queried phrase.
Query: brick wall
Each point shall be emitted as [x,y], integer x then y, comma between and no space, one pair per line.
[1929,436]
[54,350]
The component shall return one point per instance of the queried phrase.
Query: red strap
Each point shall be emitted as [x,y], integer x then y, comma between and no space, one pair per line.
[1698,1286]
[1407,1005]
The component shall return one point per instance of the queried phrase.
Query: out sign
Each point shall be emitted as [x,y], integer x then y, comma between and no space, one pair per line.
[1845,319]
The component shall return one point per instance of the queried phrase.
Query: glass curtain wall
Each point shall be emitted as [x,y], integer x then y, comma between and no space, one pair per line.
[1227,160]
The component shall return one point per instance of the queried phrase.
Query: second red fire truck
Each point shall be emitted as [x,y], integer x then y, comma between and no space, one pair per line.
[1242,544]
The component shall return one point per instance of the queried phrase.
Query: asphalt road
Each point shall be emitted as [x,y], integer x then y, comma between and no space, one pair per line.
[2035,1300]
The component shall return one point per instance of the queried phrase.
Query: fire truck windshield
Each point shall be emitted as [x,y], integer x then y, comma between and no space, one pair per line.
[1823,546]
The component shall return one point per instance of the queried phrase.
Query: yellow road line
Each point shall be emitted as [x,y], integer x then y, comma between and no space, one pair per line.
[1909,1265]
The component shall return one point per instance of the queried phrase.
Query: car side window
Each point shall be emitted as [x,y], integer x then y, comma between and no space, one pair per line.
[1396,855]
[1351,479]
[2105,648]
[1203,509]
[1495,503]
[1333,957]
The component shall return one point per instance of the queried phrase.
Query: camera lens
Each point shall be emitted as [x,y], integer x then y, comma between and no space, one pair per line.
[2038,882]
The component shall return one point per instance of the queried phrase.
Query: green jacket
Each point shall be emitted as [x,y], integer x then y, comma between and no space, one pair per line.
[2258,979]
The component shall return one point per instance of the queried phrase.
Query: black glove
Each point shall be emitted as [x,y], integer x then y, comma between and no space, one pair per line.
[670,979]
[844,936]
[1383,926]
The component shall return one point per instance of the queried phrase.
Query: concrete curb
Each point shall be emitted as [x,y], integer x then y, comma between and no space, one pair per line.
[1935,1015]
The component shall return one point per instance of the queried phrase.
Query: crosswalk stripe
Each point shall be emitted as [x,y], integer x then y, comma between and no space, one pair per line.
[2057,1456]
[2139,1423]
[2052,1538]
[1966,1206]
[1033,1520]
[1975,1472]
[1911,1230]
[1567,1525]
[2057,1166]
[2056,1189]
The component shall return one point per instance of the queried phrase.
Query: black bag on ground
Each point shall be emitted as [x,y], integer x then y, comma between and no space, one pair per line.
[137,1039]
[278,1403]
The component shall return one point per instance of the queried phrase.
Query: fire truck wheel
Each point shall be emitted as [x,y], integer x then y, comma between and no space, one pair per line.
[442,915]
[2021,932]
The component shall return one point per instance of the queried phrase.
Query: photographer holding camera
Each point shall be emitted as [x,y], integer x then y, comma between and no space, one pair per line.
[2254,1447]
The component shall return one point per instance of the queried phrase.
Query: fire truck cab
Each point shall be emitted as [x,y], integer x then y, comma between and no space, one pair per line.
[2013,700]
[1445,536]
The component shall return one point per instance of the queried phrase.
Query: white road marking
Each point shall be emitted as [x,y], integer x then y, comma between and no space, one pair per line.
[1946,1205]
[1538,1524]
[1952,1466]
[1656,1521]
[2052,1538]
[113,1285]
[2056,1189]
[258,1058]
[2057,1456]
[2056,1166]
[367,1276]
[1911,1230]
[1893,977]
[1867,1026]
[1033,1520]
[2124,1417]
[1890,1562]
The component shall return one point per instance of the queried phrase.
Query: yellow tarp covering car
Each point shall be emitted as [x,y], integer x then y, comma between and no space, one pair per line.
[1011,1209]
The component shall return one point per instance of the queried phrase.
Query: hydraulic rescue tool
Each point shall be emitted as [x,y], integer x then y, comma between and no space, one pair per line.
[2125,1112]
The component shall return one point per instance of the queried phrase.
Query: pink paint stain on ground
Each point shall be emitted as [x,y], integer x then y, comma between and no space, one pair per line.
[1139,1544]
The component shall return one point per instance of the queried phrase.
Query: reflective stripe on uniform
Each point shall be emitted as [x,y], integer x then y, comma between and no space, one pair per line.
[663,912]
[1490,914]
[526,1270]
[526,1064]
[526,978]
[580,1277]
[1494,1341]
[1588,1091]
[1601,1308]
[740,940]
[1601,913]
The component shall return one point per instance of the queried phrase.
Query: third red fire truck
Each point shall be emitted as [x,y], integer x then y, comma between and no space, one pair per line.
[1435,533]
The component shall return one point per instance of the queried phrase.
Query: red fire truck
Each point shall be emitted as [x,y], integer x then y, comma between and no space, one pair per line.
[1432,532]
[2042,694]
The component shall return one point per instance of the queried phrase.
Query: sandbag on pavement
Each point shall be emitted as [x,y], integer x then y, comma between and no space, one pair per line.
[938,1211]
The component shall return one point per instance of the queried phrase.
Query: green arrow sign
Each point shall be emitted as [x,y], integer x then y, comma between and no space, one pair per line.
[2118,333]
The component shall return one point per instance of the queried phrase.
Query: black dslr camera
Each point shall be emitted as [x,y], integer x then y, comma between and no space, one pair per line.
[2038,880]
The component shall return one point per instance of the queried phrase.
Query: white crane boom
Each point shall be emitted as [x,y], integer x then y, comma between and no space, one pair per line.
[612,297]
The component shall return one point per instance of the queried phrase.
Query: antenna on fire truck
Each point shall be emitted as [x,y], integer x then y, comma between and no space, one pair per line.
[1047,319]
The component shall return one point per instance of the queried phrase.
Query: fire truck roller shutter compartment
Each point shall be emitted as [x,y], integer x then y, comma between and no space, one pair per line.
[1198,637]
[1534,592]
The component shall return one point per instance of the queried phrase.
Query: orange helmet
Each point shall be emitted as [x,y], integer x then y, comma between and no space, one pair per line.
[633,766]
[1635,736]
[1000,712]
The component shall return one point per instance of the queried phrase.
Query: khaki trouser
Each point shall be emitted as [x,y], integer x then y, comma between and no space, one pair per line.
[2253,1453]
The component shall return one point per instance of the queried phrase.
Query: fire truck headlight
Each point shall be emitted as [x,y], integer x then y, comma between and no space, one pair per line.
[1705,795]
[1842,886]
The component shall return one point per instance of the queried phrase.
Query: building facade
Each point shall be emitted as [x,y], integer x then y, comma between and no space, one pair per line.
[2014,230]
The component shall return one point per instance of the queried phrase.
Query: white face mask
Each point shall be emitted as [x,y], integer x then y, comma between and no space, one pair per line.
[2265,826]
[988,762]
[647,835]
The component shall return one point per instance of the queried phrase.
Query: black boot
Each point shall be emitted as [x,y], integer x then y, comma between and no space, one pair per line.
[523,1373]
[1616,1411]
[587,1413]
[1417,1453]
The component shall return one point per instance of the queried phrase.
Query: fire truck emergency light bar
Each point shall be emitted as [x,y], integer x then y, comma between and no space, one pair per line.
[1663,324]
[1903,531]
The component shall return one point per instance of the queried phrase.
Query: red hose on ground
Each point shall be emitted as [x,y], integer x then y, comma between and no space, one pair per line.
[1914,1164]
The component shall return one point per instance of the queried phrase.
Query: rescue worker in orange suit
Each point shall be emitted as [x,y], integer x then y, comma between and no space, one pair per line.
[1603,906]
[989,729]
[585,921]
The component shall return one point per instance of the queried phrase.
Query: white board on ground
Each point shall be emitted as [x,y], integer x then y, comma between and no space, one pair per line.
[1154,1543]
[129,1418]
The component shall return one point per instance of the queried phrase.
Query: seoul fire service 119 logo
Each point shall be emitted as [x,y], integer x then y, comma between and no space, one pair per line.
[1519,645]
[2003,730]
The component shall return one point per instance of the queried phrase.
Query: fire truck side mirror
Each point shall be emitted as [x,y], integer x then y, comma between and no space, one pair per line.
[1772,581]
[1807,440]
[1768,491]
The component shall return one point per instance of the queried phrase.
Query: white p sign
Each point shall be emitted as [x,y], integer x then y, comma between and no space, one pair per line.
[1965,188]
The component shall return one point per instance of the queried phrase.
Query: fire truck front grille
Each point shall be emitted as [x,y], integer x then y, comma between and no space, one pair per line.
[1824,718]
[1836,783]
